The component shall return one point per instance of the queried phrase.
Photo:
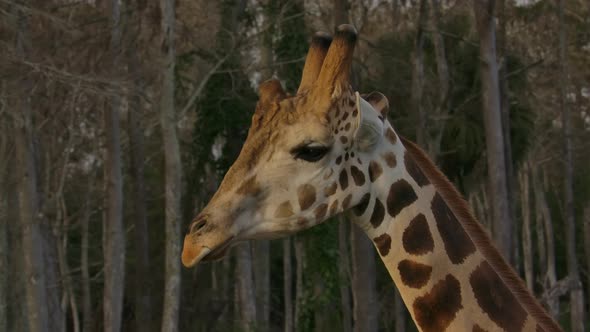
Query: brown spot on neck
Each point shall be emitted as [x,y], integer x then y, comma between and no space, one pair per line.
[306,196]
[320,212]
[346,202]
[414,274]
[414,170]
[457,243]
[480,237]
[417,239]
[361,207]
[383,243]
[401,194]
[334,207]
[375,170]
[343,179]
[357,176]
[378,214]
[496,300]
[301,221]
[390,159]
[391,136]
[330,190]
[435,311]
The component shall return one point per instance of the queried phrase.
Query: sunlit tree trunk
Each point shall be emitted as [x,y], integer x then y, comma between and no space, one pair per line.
[113,233]
[501,222]
[364,293]
[173,170]
[576,292]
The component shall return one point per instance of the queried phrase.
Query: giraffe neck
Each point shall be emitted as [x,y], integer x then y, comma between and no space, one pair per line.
[448,273]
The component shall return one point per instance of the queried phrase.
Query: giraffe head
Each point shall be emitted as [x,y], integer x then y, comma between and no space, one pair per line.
[303,160]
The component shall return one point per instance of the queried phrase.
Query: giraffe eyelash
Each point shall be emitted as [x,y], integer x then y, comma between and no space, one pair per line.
[310,152]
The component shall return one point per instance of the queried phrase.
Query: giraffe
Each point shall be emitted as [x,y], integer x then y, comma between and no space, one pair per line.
[327,150]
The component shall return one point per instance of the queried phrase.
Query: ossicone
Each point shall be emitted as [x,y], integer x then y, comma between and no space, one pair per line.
[320,43]
[338,62]
[271,91]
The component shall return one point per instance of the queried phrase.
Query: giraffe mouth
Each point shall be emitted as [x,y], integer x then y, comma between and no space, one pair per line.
[192,256]
[220,251]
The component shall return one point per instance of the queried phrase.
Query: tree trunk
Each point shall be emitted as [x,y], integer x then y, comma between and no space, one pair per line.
[261,261]
[418,77]
[261,256]
[88,319]
[288,285]
[511,181]
[142,291]
[501,222]
[4,194]
[173,170]
[364,293]
[442,69]
[400,313]
[340,15]
[576,293]
[246,291]
[28,199]
[542,208]
[114,232]
[539,221]
[527,246]
[587,244]
[344,272]
[300,258]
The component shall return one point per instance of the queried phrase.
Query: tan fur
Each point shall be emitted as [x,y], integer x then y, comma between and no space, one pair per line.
[314,60]
[479,236]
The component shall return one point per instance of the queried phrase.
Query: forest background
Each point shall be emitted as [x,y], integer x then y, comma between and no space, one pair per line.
[119,118]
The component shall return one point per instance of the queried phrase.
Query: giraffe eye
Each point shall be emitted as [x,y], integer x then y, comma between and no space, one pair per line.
[310,153]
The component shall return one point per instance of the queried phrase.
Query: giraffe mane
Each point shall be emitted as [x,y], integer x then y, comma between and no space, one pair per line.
[479,236]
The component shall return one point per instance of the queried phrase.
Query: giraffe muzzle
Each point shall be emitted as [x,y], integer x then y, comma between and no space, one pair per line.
[205,242]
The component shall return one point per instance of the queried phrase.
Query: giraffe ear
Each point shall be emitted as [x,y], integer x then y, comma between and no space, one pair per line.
[379,102]
[369,125]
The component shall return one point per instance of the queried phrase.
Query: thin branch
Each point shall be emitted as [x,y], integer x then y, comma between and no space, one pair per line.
[199,89]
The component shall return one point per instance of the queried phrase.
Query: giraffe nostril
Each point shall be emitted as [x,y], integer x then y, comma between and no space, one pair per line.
[198,225]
